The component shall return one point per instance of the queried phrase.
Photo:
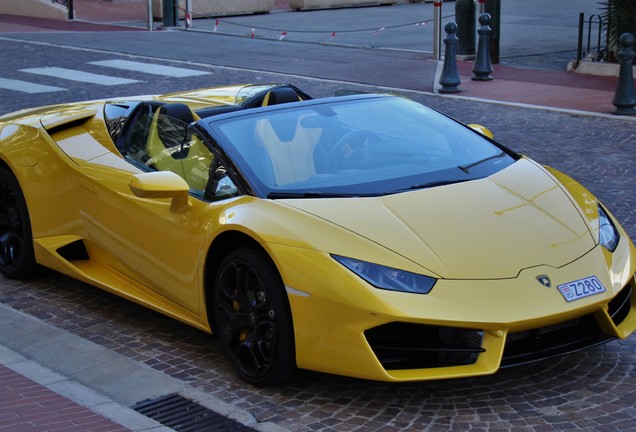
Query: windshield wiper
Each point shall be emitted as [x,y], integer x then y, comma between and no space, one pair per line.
[435,183]
[314,194]
[466,168]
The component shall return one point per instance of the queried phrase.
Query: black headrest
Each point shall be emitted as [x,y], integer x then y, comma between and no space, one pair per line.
[178,111]
[172,124]
[280,95]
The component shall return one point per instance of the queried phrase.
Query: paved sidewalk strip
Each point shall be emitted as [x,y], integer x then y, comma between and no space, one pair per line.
[28,406]
[90,375]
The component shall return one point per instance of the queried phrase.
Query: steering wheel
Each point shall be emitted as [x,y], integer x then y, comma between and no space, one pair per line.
[349,151]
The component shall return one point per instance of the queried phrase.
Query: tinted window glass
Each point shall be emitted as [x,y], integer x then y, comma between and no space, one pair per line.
[371,146]
[115,117]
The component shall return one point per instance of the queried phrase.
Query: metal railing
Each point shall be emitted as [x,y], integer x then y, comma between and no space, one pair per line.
[596,26]
[601,36]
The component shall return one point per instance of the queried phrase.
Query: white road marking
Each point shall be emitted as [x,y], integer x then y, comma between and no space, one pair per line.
[149,68]
[27,87]
[75,75]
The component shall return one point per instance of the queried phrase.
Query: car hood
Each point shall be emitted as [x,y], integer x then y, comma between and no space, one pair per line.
[483,229]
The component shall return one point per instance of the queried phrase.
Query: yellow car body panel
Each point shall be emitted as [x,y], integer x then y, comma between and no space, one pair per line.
[148,241]
[421,220]
[331,310]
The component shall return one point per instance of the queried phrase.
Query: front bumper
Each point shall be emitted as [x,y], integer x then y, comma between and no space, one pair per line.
[462,328]
[404,348]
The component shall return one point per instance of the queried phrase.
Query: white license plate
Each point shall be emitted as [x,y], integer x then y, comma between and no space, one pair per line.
[581,288]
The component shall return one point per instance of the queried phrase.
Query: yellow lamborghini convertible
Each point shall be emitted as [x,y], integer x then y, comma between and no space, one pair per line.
[362,235]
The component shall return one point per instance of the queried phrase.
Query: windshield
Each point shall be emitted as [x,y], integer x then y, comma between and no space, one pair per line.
[355,147]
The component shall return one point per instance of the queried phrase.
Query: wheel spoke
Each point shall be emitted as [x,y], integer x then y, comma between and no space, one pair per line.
[255,353]
[234,323]
[235,308]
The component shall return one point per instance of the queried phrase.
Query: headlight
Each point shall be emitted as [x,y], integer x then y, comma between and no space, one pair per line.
[607,232]
[388,278]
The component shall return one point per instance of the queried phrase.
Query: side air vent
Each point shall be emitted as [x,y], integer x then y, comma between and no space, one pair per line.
[75,251]
[57,122]
[65,126]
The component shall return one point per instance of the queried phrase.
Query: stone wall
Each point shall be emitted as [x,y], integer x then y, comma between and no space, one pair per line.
[322,4]
[34,8]
[207,8]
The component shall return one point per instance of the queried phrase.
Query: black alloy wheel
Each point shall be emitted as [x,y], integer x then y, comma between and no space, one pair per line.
[253,318]
[17,258]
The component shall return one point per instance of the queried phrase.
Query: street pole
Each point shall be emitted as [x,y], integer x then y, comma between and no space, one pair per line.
[149,16]
[437,30]
[188,14]
[493,8]
[71,12]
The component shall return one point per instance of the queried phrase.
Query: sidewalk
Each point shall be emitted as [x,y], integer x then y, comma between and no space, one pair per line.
[551,89]
[26,405]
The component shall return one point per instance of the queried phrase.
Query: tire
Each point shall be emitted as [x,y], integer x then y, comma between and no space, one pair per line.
[253,318]
[17,258]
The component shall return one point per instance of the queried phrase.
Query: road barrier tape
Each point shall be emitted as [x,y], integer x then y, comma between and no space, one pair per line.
[284,33]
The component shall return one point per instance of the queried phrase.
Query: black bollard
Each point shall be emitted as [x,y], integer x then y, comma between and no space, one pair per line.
[625,96]
[483,67]
[450,76]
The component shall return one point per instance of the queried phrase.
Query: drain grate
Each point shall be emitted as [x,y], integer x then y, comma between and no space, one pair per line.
[184,415]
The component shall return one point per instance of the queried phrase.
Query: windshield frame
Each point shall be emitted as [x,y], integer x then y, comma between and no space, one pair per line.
[214,127]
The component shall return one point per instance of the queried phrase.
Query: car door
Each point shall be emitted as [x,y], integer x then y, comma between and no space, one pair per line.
[146,238]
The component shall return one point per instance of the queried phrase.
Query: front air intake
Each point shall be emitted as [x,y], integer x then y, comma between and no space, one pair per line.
[415,346]
[619,307]
[551,341]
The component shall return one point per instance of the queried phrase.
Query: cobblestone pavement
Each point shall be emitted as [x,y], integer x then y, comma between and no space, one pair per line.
[593,390]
